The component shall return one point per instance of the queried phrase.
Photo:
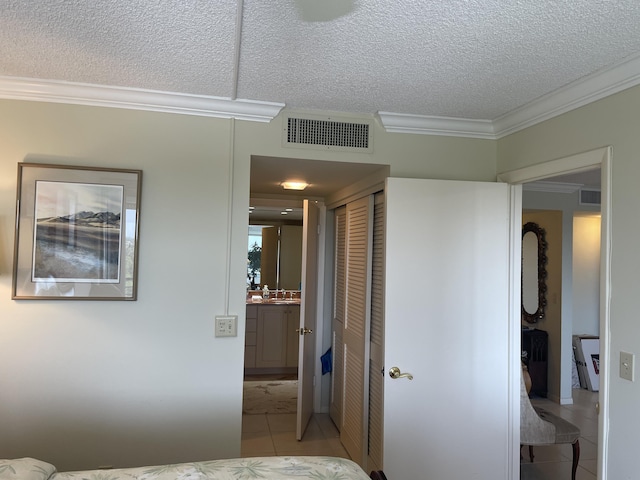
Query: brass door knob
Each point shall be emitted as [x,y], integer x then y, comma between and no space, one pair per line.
[394,372]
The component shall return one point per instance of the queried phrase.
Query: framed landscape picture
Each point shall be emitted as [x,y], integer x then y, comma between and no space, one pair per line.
[76,233]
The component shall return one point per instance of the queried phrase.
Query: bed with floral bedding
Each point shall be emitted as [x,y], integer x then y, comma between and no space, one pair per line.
[265,468]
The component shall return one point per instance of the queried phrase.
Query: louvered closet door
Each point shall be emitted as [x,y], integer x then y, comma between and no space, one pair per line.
[376,361]
[337,370]
[355,408]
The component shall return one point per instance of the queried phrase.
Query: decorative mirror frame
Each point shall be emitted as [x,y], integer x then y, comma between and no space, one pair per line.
[542,273]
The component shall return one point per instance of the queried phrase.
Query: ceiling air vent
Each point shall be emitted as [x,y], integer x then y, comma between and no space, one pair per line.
[590,196]
[327,133]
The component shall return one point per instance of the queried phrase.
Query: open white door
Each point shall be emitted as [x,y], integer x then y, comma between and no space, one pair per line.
[447,324]
[308,308]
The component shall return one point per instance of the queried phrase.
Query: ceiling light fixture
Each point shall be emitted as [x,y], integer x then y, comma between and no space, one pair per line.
[294,185]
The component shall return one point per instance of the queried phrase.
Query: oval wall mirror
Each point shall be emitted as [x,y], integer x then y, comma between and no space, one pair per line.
[534,272]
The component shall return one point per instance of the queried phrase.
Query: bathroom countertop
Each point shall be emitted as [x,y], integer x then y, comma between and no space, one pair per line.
[255,298]
[274,301]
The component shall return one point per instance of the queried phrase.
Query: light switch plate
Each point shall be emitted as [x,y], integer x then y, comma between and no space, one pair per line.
[626,365]
[226,325]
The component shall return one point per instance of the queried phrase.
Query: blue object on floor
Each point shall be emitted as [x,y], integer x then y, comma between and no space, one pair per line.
[327,361]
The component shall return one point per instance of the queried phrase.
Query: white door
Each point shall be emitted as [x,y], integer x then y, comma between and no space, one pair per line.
[308,308]
[446,323]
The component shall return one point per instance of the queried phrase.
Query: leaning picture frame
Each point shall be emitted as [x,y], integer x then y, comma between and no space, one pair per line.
[76,233]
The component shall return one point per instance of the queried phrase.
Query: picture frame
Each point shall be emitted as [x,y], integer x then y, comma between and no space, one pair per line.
[76,233]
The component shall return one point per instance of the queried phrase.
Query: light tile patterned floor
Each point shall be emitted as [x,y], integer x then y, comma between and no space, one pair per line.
[275,434]
[554,462]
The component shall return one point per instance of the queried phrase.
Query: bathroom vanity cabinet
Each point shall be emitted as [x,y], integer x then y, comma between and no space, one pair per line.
[271,340]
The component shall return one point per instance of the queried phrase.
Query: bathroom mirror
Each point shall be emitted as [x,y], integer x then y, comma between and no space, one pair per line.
[280,257]
[534,272]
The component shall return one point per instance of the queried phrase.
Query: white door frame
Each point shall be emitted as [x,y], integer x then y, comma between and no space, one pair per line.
[600,157]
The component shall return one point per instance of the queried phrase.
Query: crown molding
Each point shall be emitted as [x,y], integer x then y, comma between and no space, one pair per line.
[17,88]
[601,84]
[614,79]
[598,85]
[433,125]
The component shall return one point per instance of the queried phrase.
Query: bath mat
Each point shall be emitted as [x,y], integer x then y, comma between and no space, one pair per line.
[270,396]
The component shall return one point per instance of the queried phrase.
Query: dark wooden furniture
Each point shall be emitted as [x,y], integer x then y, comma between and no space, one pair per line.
[535,344]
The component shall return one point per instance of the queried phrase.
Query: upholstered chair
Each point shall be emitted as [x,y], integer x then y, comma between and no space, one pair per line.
[540,427]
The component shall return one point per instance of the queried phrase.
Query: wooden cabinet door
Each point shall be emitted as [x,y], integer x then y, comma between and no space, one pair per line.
[250,337]
[271,348]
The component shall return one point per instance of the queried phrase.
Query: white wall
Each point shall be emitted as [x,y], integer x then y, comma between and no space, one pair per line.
[586,275]
[611,121]
[84,384]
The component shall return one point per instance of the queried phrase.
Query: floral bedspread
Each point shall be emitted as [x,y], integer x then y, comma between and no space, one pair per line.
[265,468]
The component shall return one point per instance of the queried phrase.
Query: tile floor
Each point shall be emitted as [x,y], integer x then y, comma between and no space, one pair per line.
[554,462]
[275,434]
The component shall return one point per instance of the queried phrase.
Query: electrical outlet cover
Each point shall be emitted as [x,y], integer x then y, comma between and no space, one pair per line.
[626,365]
[226,325]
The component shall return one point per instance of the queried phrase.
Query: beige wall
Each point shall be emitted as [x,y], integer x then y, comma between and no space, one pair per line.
[417,156]
[120,383]
[85,384]
[612,121]
[551,222]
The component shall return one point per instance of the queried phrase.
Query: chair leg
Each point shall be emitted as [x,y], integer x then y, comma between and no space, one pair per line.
[531,453]
[576,457]
[520,452]
[378,475]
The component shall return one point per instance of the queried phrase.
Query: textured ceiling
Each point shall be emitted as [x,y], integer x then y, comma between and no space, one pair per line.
[472,59]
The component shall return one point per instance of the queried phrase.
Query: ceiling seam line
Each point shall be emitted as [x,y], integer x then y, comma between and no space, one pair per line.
[236,48]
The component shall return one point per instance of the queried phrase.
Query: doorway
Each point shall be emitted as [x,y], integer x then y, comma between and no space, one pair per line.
[570,222]
[326,180]
[273,299]
[580,163]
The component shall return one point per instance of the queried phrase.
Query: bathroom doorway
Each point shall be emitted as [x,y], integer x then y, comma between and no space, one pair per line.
[274,256]
[267,197]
